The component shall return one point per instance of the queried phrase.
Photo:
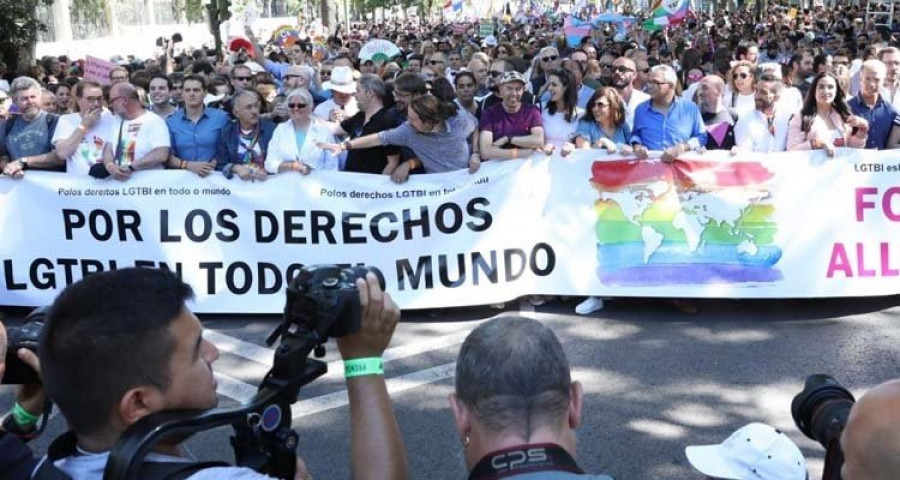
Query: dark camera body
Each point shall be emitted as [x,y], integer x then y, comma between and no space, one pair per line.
[326,295]
[26,336]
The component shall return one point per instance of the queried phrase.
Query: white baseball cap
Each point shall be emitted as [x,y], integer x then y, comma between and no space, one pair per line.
[755,451]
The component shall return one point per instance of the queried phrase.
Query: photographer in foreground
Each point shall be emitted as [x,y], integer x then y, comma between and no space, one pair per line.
[121,345]
[515,407]
[871,439]
[21,424]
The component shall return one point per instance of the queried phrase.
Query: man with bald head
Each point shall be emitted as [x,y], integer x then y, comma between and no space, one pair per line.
[624,72]
[139,140]
[871,439]
[718,118]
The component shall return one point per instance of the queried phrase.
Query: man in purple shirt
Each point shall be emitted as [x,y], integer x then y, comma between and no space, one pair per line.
[511,129]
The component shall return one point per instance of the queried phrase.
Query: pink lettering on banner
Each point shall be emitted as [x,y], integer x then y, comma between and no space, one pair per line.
[97,69]
[839,261]
[891,212]
[861,262]
[886,270]
[863,204]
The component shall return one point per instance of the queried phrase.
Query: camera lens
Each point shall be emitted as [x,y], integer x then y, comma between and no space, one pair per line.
[821,409]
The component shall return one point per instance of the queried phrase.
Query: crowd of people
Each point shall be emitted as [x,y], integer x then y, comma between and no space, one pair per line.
[790,80]
[449,100]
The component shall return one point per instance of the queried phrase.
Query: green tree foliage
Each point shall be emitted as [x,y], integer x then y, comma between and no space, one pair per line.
[194,11]
[20,26]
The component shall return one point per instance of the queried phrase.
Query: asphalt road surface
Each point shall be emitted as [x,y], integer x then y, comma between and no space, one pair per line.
[655,379]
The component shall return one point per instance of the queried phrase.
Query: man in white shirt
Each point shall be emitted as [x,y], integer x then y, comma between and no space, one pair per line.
[342,103]
[624,72]
[139,140]
[80,137]
[765,128]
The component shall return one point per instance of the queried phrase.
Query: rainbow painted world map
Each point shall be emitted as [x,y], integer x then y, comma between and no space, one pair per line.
[685,222]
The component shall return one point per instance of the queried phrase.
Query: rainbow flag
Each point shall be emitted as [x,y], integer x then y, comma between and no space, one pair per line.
[575,29]
[665,13]
[688,222]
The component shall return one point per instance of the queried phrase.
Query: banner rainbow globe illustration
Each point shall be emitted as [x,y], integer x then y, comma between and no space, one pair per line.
[686,222]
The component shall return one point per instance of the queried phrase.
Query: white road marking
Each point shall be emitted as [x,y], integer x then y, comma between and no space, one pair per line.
[395,385]
[242,391]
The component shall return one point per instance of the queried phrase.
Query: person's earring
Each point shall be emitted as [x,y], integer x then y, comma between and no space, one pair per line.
[465,441]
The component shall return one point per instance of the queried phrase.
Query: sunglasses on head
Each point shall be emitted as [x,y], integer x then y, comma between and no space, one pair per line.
[436,62]
[550,58]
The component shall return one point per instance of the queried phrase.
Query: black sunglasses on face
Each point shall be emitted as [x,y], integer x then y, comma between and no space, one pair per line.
[297,106]
[551,58]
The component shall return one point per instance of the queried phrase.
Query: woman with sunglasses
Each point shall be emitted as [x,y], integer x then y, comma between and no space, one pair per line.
[294,144]
[825,121]
[603,124]
[740,95]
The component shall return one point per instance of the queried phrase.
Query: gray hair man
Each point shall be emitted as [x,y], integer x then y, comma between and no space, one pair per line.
[142,139]
[516,406]
[26,140]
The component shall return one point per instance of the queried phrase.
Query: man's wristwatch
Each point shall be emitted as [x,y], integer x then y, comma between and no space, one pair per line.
[346,144]
[24,162]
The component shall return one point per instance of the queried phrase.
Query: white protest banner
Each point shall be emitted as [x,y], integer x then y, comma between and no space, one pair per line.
[237,243]
[97,69]
[781,225]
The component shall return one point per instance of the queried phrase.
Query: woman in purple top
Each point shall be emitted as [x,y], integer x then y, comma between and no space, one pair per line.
[511,129]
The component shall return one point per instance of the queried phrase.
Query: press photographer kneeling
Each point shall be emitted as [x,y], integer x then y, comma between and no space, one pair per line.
[121,346]
[861,439]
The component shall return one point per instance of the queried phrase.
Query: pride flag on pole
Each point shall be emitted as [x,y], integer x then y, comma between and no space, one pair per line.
[665,13]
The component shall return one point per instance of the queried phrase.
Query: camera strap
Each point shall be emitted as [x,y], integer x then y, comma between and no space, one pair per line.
[522,459]
[66,445]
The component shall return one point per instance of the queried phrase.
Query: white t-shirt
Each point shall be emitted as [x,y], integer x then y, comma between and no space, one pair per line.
[324,109]
[90,150]
[89,466]
[138,137]
[556,129]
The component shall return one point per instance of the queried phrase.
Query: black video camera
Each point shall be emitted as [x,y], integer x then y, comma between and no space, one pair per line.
[26,336]
[322,302]
[820,412]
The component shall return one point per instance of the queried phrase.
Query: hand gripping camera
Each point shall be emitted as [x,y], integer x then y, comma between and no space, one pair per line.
[322,302]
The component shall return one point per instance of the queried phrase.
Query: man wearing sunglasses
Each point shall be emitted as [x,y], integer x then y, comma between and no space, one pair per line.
[624,72]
